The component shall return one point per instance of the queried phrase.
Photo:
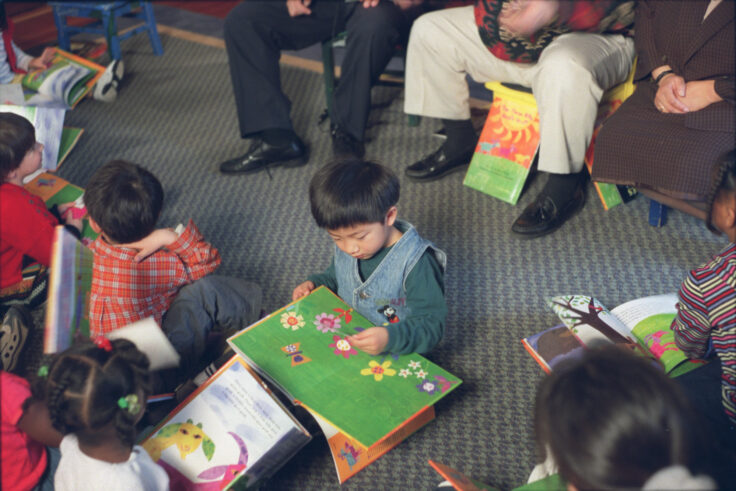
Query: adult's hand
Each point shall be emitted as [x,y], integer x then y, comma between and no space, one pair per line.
[407,4]
[700,94]
[525,17]
[671,91]
[298,7]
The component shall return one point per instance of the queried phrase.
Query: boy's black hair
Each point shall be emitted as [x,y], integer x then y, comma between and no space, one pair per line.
[125,200]
[352,192]
[83,387]
[613,419]
[17,137]
[724,179]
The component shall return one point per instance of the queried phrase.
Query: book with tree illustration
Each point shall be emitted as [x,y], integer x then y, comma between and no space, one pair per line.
[230,433]
[642,325]
[370,400]
[64,83]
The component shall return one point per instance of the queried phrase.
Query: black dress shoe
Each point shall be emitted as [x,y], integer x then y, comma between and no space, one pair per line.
[437,165]
[542,216]
[345,145]
[261,154]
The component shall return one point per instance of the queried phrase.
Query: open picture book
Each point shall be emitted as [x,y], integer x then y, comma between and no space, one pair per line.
[63,84]
[461,482]
[372,401]
[230,433]
[642,325]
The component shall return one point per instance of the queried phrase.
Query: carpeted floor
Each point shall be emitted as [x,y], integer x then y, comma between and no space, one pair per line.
[175,115]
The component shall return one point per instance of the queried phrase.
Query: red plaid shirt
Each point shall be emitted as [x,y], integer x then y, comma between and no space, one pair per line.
[124,291]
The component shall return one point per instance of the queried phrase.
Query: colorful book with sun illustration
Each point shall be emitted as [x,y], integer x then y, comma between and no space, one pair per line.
[372,401]
[231,433]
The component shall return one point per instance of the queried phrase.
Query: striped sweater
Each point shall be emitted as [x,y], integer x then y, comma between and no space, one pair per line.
[707,311]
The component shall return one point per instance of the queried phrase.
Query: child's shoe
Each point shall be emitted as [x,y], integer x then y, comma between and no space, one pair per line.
[106,88]
[13,335]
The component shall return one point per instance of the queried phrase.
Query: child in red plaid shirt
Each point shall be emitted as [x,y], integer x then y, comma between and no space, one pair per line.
[140,271]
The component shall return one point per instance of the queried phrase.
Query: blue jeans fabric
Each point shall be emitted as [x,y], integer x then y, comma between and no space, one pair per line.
[229,304]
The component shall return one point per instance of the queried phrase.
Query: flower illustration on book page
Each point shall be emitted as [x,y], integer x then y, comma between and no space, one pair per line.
[427,386]
[327,322]
[292,320]
[378,371]
[342,346]
[404,372]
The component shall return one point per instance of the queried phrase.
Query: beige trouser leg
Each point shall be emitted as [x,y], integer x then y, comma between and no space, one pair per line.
[568,80]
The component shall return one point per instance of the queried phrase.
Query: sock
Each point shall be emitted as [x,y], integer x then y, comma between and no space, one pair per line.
[561,187]
[278,137]
[460,136]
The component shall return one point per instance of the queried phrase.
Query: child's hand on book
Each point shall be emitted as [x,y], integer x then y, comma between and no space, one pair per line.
[154,241]
[303,290]
[43,61]
[372,341]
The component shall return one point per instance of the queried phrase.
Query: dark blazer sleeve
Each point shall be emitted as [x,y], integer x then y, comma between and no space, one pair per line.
[646,49]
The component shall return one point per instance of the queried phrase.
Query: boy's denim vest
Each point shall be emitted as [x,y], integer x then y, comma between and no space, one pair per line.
[382,297]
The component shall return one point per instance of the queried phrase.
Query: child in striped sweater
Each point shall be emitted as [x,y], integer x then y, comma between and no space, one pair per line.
[706,321]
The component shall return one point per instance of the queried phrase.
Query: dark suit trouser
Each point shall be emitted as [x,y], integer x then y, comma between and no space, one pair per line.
[257,31]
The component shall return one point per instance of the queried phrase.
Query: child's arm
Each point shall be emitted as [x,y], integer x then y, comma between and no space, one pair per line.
[424,328]
[326,278]
[36,423]
[692,325]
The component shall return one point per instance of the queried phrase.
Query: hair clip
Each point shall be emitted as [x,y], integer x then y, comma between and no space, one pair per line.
[130,403]
[103,342]
[43,370]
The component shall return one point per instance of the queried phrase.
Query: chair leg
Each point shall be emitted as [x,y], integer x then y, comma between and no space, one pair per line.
[63,37]
[657,214]
[152,29]
[111,33]
[328,72]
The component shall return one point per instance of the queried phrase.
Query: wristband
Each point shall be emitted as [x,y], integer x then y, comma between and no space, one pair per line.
[662,75]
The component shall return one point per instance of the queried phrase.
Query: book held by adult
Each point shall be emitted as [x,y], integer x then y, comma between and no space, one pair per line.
[303,350]
[230,433]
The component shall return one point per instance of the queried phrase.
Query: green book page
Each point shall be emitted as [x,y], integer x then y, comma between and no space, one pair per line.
[69,138]
[302,348]
[549,483]
[649,319]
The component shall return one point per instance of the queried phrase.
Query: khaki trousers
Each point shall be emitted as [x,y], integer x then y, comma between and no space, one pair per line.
[568,80]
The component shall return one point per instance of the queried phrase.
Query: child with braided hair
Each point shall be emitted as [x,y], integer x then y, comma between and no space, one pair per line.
[96,393]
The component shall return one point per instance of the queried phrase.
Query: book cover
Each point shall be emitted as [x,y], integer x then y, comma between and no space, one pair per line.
[350,456]
[303,350]
[230,433]
[54,190]
[69,138]
[48,123]
[70,282]
[462,482]
[64,83]
[643,325]
[507,145]
[553,346]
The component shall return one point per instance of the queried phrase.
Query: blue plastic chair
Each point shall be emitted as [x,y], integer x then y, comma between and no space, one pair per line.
[105,14]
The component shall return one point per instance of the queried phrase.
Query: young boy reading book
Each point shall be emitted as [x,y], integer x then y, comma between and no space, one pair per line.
[381,266]
[141,271]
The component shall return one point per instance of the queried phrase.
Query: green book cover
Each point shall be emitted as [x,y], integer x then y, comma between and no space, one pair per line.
[302,348]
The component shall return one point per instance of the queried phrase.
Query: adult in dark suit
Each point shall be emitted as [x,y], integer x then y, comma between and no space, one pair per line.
[255,34]
[668,135]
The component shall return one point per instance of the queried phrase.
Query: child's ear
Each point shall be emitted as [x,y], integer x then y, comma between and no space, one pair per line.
[93,225]
[391,215]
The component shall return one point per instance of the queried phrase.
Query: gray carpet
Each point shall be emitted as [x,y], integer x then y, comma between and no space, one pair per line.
[175,115]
